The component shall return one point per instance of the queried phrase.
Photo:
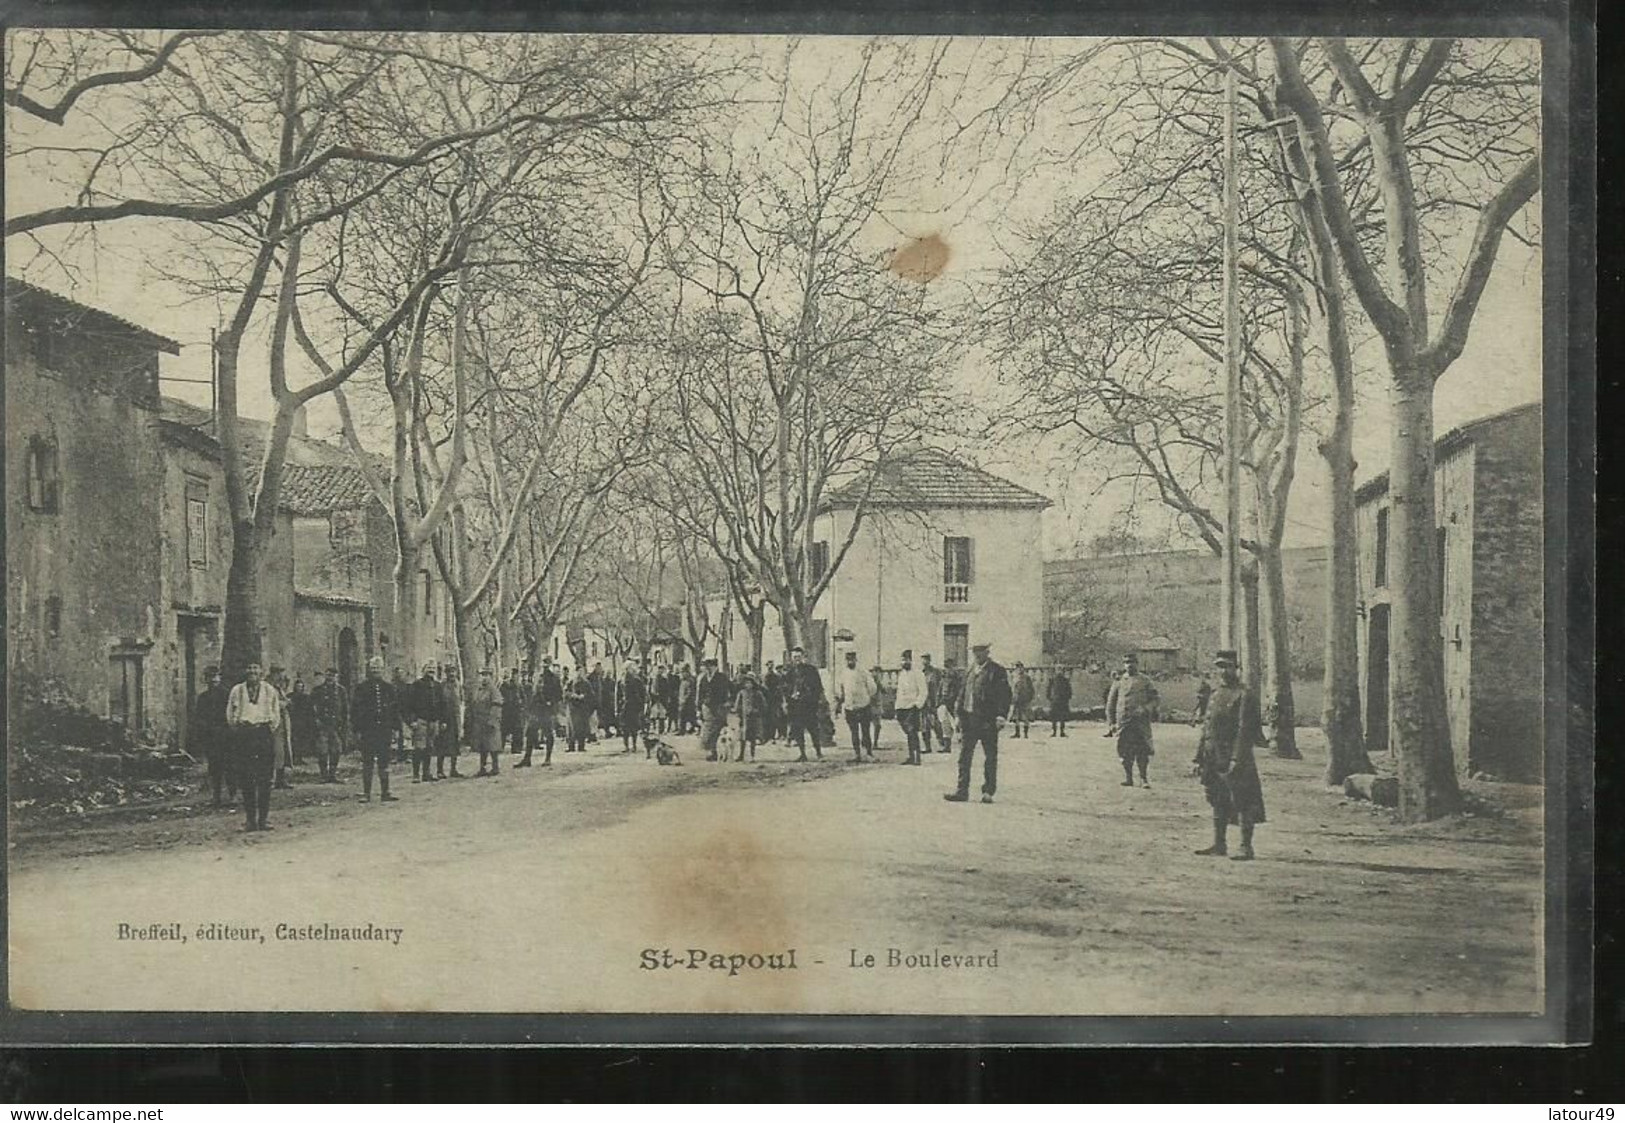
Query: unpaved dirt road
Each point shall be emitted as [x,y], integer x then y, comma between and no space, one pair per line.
[557,889]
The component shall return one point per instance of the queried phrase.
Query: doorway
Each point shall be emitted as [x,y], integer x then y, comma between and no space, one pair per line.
[1376,680]
[349,658]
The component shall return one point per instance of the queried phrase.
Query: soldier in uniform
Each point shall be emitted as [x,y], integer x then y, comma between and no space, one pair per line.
[513,712]
[375,716]
[984,700]
[930,719]
[633,698]
[421,709]
[1021,703]
[485,718]
[209,731]
[1130,705]
[451,722]
[1224,759]
[330,711]
[1204,692]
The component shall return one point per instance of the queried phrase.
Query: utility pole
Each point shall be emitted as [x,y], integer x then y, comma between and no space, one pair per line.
[1229,599]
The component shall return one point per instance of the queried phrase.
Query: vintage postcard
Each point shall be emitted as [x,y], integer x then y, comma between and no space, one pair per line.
[555,524]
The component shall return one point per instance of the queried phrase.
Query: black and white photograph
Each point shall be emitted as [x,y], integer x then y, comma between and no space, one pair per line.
[543,523]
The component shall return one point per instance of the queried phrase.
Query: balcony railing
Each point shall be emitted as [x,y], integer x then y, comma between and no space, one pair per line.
[956,594]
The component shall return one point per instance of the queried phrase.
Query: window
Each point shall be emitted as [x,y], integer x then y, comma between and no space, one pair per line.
[1439,558]
[126,694]
[197,524]
[818,561]
[818,643]
[42,477]
[1380,576]
[53,616]
[957,567]
[956,645]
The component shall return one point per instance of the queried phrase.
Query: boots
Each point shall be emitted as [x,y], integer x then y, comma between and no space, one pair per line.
[1246,854]
[1128,774]
[1219,848]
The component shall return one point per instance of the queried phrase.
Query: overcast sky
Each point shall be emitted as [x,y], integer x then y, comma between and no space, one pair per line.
[974,206]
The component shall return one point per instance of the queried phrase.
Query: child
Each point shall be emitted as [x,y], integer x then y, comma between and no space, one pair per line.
[752,707]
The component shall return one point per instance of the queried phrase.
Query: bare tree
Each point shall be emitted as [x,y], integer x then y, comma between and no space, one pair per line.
[1449,126]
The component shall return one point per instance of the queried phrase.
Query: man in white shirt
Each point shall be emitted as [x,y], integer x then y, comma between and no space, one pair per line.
[910,703]
[855,693]
[253,716]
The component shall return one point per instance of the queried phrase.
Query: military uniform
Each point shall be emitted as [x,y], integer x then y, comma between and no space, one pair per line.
[375,716]
[1224,760]
[330,711]
[1130,705]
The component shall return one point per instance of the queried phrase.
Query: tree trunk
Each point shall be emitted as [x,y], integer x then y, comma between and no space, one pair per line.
[756,622]
[469,656]
[1417,730]
[504,610]
[405,639]
[1252,643]
[1278,640]
[1340,718]
[241,642]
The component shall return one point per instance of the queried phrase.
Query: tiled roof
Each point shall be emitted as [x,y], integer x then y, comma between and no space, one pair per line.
[310,490]
[1462,435]
[933,478]
[47,303]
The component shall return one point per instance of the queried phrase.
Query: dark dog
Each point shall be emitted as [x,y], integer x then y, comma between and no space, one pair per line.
[661,752]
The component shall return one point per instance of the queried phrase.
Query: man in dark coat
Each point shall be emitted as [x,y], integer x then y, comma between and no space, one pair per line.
[1224,759]
[450,738]
[715,693]
[513,712]
[772,703]
[634,699]
[804,703]
[542,714]
[984,700]
[375,717]
[687,707]
[421,709]
[209,733]
[930,717]
[330,707]
[1021,703]
[1059,695]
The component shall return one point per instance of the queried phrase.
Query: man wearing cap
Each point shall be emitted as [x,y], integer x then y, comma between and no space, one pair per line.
[450,738]
[804,703]
[542,713]
[1224,759]
[422,712]
[1021,703]
[485,722]
[209,731]
[1131,704]
[375,717]
[983,703]
[330,714]
[513,711]
[911,694]
[254,715]
[930,719]
[715,695]
[854,694]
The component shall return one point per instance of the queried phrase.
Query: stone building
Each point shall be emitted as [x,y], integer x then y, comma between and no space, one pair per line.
[1488,545]
[85,598]
[118,534]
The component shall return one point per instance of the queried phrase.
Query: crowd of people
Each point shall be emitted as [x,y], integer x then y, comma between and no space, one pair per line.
[255,730]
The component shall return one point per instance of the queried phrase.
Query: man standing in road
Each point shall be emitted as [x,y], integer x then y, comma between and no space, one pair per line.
[953,686]
[209,731]
[804,703]
[911,699]
[254,715]
[375,716]
[983,702]
[715,694]
[1021,703]
[1130,707]
[930,719]
[773,703]
[634,698]
[330,709]
[542,714]
[450,738]
[1059,695]
[854,694]
[485,722]
[1204,692]
[579,696]
[513,713]
[1224,759]
[422,711]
